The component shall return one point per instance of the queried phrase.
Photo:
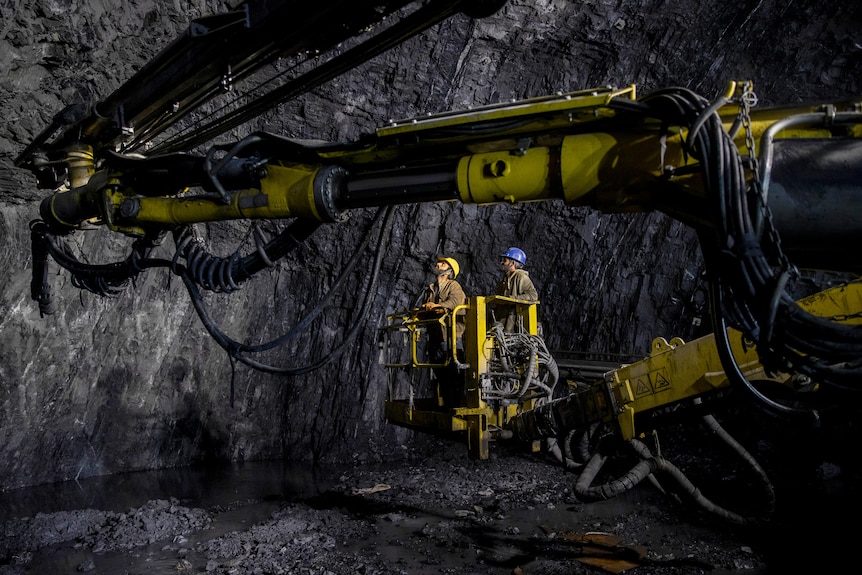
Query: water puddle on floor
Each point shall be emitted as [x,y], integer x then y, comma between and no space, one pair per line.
[193,486]
[244,494]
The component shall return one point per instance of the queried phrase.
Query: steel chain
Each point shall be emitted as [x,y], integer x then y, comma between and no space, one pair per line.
[747,100]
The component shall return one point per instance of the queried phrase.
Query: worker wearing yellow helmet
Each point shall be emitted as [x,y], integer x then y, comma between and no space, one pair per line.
[444,293]
[441,297]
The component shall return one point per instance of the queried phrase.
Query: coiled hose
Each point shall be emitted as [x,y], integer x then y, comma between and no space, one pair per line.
[238,351]
[525,368]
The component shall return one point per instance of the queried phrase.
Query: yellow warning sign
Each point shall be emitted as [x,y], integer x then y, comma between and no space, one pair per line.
[660,382]
[652,383]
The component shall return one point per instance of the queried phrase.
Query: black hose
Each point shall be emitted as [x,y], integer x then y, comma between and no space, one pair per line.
[102,279]
[205,270]
[743,251]
[226,274]
[731,368]
[236,350]
[40,287]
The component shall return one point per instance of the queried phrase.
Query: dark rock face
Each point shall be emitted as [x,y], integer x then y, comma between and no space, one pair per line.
[135,382]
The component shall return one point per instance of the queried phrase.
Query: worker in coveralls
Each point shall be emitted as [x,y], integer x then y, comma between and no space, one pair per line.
[441,297]
[516,284]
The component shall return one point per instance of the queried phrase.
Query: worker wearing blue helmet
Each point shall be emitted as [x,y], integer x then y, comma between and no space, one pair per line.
[516,282]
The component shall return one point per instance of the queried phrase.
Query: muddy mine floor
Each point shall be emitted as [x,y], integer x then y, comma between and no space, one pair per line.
[436,511]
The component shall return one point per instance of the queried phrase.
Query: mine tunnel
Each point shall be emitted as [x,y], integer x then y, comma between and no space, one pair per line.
[219,220]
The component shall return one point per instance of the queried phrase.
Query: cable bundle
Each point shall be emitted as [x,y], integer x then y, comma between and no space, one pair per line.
[748,272]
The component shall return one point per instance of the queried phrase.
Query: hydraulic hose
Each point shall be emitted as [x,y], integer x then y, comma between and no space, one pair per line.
[646,467]
[743,252]
[731,368]
[714,426]
[585,489]
[102,279]
[237,350]
[40,287]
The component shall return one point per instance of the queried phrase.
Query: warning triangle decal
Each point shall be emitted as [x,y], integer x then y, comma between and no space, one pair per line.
[660,382]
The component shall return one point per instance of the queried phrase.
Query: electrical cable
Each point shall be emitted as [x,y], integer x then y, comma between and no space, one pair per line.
[236,349]
[107,280]
[743,251]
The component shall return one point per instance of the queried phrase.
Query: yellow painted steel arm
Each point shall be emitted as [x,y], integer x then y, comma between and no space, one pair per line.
[584,148]
[674,374]
[676,370]
[286,191]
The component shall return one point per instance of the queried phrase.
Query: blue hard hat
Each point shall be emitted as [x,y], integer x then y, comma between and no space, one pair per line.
[516,254]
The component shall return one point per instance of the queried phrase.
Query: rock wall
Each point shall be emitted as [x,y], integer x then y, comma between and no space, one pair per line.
[108,385]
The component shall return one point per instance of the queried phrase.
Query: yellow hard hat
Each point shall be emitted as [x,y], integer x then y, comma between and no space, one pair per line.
[452,264]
